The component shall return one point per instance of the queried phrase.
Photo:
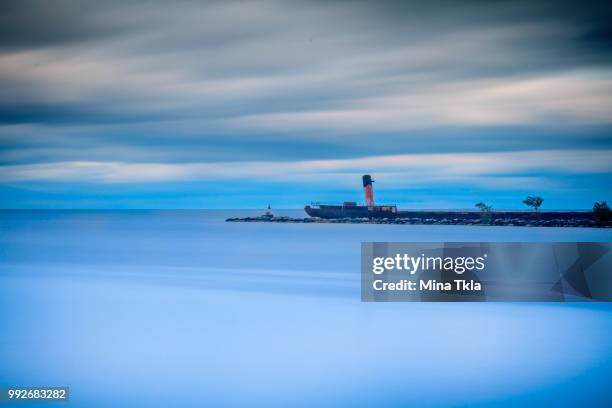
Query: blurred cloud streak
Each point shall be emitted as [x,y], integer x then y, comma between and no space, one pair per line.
[421,168]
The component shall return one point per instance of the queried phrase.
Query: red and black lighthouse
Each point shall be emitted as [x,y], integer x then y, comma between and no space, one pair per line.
[368,191]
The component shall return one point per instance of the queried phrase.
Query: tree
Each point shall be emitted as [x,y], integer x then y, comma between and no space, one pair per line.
[534,202]
[602,211]
[483,207]
[486,210]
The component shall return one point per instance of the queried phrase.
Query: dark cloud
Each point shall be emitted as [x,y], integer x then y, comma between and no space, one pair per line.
[229,80]
[32,23]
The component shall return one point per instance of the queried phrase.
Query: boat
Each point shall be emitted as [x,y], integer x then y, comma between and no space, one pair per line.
[350,209]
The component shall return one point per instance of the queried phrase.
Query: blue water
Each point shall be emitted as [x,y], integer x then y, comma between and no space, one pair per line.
[148,308]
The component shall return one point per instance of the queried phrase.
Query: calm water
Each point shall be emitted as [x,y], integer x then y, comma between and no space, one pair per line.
[182,309]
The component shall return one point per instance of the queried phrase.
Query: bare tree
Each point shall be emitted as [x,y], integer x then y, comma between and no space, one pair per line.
[534,202]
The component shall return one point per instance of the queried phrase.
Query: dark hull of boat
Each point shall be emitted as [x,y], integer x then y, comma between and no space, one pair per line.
[341,211]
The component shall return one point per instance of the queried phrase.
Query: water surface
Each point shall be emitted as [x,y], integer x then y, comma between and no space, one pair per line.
[179,308]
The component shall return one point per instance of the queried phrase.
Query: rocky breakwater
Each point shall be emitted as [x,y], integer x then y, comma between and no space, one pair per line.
[500,222]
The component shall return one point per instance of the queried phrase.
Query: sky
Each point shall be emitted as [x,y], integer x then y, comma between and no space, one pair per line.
[236,104]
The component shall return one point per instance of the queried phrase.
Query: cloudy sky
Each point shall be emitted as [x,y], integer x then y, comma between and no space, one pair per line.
[233,104]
